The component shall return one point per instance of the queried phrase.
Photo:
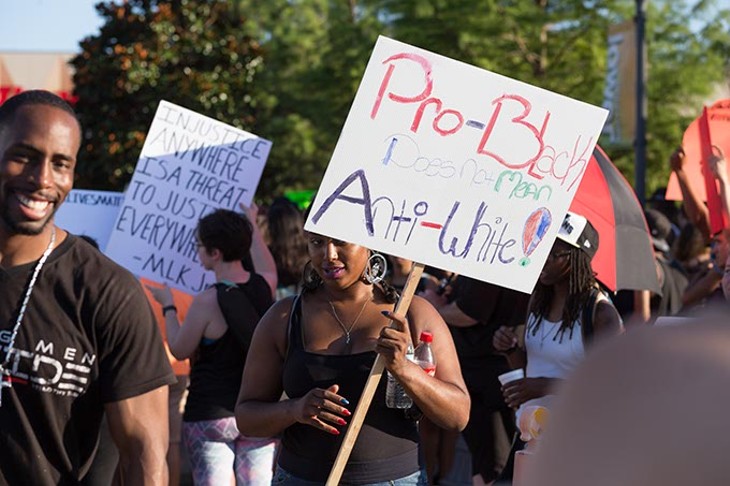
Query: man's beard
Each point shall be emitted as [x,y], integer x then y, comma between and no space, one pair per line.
[25,228]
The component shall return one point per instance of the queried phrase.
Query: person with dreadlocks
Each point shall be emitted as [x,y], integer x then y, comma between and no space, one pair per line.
[566,310]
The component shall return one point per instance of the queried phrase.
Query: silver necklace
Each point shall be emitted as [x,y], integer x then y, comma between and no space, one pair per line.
[342,324]
[5,377]
[543,334]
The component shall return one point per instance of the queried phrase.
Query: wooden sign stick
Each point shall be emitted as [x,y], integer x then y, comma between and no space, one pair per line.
[401,308]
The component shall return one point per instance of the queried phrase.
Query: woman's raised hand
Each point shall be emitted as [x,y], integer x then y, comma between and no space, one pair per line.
[676,160]
[251,212]
[718,164]
[320,408]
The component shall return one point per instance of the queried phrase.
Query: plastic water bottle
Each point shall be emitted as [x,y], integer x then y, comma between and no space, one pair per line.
[424,353]
[395,394]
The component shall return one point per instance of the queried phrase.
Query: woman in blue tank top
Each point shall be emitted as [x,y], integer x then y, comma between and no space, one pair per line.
[318,348]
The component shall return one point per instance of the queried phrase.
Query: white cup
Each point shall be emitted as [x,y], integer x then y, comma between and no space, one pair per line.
[511,376]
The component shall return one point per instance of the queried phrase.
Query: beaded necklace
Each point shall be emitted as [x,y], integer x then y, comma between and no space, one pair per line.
[6,380]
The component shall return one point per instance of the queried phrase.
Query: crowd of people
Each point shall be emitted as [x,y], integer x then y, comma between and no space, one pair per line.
[281,346]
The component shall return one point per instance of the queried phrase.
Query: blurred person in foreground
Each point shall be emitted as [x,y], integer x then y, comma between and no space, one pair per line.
[79,338]
[217,333]
[319,348]
[646,410]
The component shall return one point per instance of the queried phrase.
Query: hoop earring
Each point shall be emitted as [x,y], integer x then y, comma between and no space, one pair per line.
[311,278]
[376,268]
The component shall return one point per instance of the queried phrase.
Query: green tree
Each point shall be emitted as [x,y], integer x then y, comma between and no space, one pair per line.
[192,53]
[686,61]
[315,55]
[287,70]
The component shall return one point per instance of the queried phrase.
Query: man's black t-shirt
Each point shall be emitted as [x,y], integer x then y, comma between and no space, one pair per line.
[88,338]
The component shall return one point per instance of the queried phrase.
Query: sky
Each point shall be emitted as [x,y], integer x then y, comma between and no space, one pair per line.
[46,25]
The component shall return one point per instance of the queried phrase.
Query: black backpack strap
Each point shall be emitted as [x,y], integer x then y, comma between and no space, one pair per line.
[231,298]
[257,300]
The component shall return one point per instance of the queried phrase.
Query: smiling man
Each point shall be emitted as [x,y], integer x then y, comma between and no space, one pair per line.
[77,336]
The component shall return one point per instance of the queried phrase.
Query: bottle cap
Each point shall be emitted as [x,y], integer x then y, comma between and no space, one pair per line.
[426,337]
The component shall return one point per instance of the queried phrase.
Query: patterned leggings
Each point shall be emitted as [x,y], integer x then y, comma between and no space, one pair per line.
[217,450]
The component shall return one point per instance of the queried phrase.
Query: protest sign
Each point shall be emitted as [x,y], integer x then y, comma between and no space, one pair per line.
[90,213]
[712,127]
[190,165]
[456,167]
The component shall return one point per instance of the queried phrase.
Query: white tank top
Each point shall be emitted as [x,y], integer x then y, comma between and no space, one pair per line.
[547,354]
[552,358]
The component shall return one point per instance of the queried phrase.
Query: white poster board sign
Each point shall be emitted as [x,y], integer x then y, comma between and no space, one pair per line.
[190,165]
[456,167]
[90,213]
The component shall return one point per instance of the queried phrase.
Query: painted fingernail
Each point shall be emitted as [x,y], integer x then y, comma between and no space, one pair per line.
[344,401]
[346,412]
[341,421]
[335,432]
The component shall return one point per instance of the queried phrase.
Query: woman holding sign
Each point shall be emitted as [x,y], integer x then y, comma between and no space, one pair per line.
[319,346]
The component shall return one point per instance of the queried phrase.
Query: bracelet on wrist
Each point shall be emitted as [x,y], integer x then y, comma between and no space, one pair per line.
[168,308]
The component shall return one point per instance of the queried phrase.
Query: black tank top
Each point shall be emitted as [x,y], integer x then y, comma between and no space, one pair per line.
[215,375]
[387,446]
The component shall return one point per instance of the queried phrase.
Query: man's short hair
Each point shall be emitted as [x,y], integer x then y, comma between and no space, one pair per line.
[32,97]
[227,231]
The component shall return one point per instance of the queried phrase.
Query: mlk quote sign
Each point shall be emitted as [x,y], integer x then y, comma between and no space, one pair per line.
[190,165]
[454,166]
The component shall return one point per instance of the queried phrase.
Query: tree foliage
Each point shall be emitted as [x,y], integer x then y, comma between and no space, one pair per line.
[195,54]
[315,55]
[288,70]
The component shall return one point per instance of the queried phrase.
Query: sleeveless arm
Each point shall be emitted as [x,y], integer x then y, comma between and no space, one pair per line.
[259,411]
[443,398]
[606,320]
[695,208]
[183,339]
